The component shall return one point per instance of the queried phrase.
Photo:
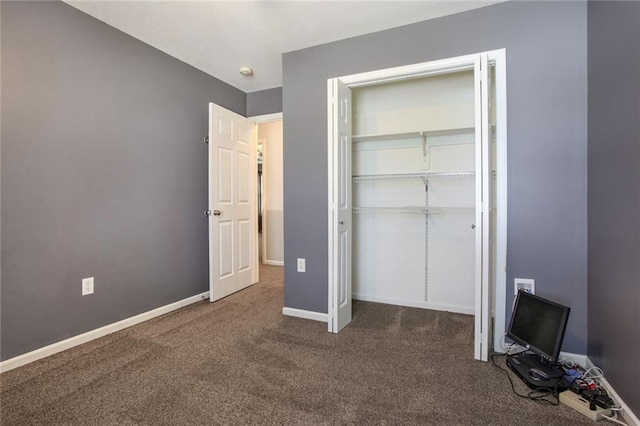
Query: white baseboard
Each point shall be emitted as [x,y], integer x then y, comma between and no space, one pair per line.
[301,313]
[415,304]
[273,262]
[584,361]
[575,358]
[627,414]
[62,345]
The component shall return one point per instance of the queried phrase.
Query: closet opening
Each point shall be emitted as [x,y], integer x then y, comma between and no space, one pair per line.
[269,131]
[417,190]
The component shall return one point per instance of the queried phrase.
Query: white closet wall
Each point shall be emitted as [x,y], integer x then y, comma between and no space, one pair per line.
[413,246]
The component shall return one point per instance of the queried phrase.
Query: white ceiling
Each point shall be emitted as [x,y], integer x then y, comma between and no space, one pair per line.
[219,37]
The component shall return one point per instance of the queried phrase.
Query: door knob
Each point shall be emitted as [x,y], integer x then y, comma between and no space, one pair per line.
[217,212]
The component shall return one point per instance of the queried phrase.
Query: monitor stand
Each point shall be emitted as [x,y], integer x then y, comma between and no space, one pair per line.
[523,364]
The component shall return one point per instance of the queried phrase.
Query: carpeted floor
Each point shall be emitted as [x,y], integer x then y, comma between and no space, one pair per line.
[240,361]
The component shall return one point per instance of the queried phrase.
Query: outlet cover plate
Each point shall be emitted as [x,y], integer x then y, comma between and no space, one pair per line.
[87,286]
[525,284]
[302,265]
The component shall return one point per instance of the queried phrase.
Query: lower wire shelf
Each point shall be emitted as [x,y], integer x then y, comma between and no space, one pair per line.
[415,210]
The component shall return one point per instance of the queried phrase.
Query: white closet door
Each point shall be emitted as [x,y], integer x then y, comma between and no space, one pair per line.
[339,159]
[340,227]
[483,209]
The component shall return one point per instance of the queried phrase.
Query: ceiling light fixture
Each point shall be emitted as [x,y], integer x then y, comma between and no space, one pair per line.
[246,71]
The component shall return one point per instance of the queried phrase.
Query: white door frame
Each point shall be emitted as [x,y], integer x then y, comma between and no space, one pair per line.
[467,62]
[266,118]
[276,116]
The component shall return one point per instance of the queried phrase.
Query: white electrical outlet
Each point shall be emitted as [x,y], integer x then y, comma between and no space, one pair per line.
[525,284]
[87,286]
[302,265]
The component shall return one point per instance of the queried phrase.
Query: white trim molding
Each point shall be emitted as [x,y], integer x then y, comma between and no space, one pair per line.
[276,116]
[499,304]
[273,262]
[69,343]
[627,414]
[575,358]
[466,310]
[301,313]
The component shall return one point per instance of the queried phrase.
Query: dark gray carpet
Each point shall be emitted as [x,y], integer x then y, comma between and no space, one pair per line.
[240,361]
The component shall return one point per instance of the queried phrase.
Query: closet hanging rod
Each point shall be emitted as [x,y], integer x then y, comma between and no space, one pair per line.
[413,176]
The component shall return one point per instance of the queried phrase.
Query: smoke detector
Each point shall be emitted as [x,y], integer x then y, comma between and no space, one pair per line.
[246,71]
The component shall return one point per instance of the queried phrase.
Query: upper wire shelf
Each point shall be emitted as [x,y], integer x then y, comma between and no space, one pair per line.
[411,135]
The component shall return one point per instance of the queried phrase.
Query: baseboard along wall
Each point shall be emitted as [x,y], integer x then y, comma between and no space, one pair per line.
[301,313]
[628,415]
[415,304]
[69,343]
[575,358]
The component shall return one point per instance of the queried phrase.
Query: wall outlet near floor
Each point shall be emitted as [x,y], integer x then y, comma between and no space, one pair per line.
[302,265]
[87,286]
[525,284]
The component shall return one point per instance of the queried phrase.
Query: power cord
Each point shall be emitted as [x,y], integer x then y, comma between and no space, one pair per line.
[588,381]
[593,373]
[614,419]
[542,397]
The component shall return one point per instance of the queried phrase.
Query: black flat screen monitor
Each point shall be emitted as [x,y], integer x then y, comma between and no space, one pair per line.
[538,324]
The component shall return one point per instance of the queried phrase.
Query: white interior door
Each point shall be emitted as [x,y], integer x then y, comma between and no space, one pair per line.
[232,203]
[340,227]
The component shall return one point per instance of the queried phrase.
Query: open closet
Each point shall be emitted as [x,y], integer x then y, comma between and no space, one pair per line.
[413,166]
[414,194]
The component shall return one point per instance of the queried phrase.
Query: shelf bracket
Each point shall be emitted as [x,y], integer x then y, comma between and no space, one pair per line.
[425,151]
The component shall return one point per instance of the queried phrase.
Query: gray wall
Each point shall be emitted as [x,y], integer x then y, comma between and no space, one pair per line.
[546,46]
[267,101]
[614,194]
[104,174]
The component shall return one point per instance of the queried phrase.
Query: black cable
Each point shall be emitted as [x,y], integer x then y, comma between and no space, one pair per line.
[530,395]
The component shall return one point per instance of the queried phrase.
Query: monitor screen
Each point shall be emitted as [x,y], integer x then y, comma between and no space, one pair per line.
[538,324]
